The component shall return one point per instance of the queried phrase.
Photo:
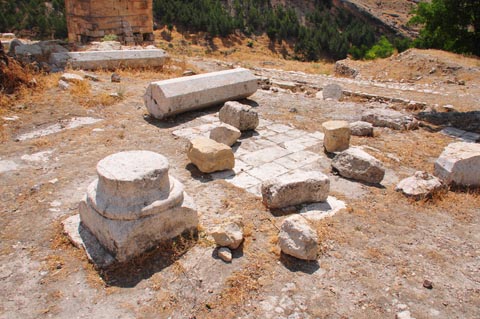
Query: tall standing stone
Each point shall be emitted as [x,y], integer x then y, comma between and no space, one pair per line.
[337,136]
[134,204]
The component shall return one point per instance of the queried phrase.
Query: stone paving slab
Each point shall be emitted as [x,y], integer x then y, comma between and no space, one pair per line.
[272,150]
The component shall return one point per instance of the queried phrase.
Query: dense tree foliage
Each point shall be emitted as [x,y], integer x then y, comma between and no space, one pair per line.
[328,32]
[452,25]
[39,18]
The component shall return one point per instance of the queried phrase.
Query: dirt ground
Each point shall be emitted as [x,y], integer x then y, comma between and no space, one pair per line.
[374,256]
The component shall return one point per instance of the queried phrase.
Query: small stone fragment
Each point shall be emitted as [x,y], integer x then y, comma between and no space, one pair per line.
[210,156]
[356,164]
[115,78]
[92,77]
[332,91]
[427,284]
[459,164]
[241,116]
[228,235]
[361,128]
[298,239]
[337,136]
[71,78]
[63,85]
[420,185]
[226,134]
[188,73]
[296,188]
[404,315]
[225,254]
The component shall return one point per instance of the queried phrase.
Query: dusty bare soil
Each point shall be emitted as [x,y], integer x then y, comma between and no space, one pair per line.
[374,255]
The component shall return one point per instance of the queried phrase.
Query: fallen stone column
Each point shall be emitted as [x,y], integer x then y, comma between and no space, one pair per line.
[134,204]
[174,96]
[90,60]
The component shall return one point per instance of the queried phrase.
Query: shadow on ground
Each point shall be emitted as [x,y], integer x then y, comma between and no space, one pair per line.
[294,265]
[129,274]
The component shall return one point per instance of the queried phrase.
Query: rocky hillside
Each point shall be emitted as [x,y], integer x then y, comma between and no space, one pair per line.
[389,16]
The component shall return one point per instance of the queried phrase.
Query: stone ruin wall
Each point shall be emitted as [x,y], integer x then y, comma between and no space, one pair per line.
[130,20]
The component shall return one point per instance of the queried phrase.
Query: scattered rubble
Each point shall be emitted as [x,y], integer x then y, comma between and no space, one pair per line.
[210,156]
[225,254]
[298,239]
[420,185]
[356,164]
[229,235]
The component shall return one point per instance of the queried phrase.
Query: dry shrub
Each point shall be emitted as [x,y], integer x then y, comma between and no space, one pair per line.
[12,74]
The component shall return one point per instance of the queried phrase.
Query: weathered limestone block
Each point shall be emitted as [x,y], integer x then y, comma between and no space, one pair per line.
[332,91]
[390,118]
[71,77]
[210,156]
[91,60]
[294,189]
[228,235]
[361,128]
[239,115]
[420,185]
[134,204]
[337,136]
[356,164]
[226,134]
[459,164]
[298,239]
[174,96]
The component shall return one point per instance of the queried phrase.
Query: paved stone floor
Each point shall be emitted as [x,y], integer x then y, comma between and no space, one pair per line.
[270,151]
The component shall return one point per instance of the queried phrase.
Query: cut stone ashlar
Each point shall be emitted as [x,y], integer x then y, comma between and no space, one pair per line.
[134,204]
[91,60]
[175,96]
[296,188]
[459,164]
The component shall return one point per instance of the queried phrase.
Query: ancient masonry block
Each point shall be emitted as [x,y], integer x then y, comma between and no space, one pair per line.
[174,96]
[134,204]
[130,20]
[91,60]
[294,189]
[337,136]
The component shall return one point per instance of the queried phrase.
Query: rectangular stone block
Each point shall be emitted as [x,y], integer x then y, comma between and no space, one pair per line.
[174,96]
[90,60]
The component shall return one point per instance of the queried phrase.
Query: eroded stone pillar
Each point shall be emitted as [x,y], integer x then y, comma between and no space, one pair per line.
[134,204]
